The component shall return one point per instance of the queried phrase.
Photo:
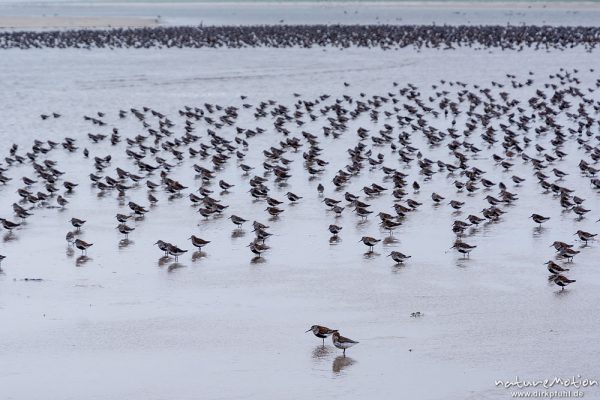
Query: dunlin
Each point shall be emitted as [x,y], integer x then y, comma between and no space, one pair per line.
[175,251]
[122,218]
[198,242]
[77,223]
[585,236]
[554,268]
[539,219]
[321,332]
[125,230]
[237,220]
[463,248]
[70,237]
[83,246]
[61,201]
[370,242]
[163,246]
[398,257]
[342,342]
[563,281]
[258,248]
[293,197]
[334,229]
[9,225]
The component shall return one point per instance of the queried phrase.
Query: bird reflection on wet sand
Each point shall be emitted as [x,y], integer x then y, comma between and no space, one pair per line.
[125,243]
[237,233]
[341,362]
[390,240]
[163,261]
[258,260]
[82,260]
[538,231]
[175,266]
[320,352]
[334,240]
[198,255]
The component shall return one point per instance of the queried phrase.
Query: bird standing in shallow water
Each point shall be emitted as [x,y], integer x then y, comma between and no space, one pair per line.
[293,197]
[539,219]
[125,229]
[369,241]
[77,223]
[463,248]
[70,238]
[342,342]
[321,331]
[334,229]
[398,257]
[175,251]
[9,225]
[237,220]
[198,242]
[163,246]
[585,236]
[554,268]
[62,201]
[83,246]
[563,281]
[258,248]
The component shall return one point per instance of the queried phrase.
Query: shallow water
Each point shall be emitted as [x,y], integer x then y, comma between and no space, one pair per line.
[225,325]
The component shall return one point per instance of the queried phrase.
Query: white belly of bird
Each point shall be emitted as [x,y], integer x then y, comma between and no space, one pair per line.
[345,345]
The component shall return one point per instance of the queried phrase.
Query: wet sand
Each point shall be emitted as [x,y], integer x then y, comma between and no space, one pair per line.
[125,323]
[101,14]
[56,22]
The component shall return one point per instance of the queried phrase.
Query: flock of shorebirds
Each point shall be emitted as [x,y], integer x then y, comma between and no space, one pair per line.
[280,36]
[476,119]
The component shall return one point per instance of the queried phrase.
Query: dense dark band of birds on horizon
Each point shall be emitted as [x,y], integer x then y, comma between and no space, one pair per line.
[468,120]
[305,36]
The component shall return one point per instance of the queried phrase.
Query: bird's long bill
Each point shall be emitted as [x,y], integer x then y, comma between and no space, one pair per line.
[309,329]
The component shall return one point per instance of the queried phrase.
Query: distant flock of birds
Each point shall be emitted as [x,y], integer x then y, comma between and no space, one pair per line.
[280,36]
[211,136]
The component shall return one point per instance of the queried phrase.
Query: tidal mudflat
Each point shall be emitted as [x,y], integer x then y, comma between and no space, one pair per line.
[126,321]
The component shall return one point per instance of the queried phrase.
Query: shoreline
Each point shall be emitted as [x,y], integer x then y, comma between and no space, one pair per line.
[424,4]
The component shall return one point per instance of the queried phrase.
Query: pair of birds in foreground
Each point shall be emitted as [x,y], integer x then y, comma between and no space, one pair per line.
[557,276]
[339,341]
